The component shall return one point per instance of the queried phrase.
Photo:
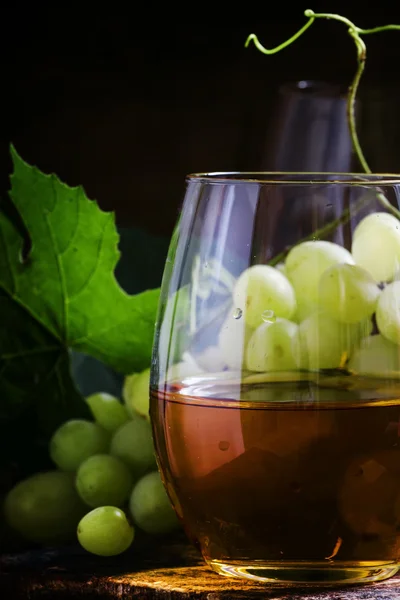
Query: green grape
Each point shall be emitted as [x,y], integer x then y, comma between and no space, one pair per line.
[305,264]
[107,411]
[150,507]
[105,531]
[45,508]
[375,219]
[270,347]
[323,343]
[133,444]
[376,245]
[388,312]
[348,293]
[103,480]
[126,389]
[262,288]
[375,356]
[75,441]
[232,341]
[136,393]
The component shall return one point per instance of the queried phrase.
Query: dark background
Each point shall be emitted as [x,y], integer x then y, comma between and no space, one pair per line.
[126,100]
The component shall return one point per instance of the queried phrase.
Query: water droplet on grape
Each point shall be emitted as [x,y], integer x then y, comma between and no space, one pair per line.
[237,313]
[223,445]
[268,316]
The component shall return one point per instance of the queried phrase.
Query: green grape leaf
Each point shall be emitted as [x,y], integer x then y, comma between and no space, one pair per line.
[67,282]
[62,295]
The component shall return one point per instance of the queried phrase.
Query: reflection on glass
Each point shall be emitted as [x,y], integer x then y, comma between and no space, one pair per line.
[308,130]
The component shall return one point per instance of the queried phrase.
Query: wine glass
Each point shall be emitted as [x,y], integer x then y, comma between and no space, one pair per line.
[275,380]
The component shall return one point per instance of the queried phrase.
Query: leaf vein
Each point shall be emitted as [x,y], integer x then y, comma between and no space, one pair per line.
[64,304]
[75,230]
[92,274]
[102,332]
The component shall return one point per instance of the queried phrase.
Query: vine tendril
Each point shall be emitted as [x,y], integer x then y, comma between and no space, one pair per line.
[355,33]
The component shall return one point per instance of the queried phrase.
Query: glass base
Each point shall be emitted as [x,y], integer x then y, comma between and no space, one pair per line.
[308,573]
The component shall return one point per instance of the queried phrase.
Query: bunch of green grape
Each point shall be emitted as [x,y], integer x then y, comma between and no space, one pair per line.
[324,307]
[332,308]
[105,480]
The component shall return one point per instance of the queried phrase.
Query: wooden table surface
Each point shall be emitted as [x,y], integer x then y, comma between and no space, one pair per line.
[171,570]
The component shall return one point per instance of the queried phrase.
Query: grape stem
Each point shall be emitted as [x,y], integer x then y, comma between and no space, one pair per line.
[355,33]
[322,232]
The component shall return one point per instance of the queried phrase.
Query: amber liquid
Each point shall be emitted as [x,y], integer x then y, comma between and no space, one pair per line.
[288,483]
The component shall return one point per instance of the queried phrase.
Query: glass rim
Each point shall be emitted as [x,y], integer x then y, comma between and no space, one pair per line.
[296,178]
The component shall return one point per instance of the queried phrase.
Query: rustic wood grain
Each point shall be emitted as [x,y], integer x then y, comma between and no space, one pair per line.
[172,570]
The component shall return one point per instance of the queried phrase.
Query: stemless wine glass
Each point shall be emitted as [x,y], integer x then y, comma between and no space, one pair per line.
[275,381]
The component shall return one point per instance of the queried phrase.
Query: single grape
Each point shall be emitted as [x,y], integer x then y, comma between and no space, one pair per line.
[233,339]
[136,393]
[375,356]
[260,288]
[150,507]
[103,480]
[348,293]
[107,411]
[323,343]
[270,348]
[76,440]
[376,245]
[126,390]
[388,312]
[375,219]
[133,444]
[45,508]
[305,264]
[105,531]
[11,541]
